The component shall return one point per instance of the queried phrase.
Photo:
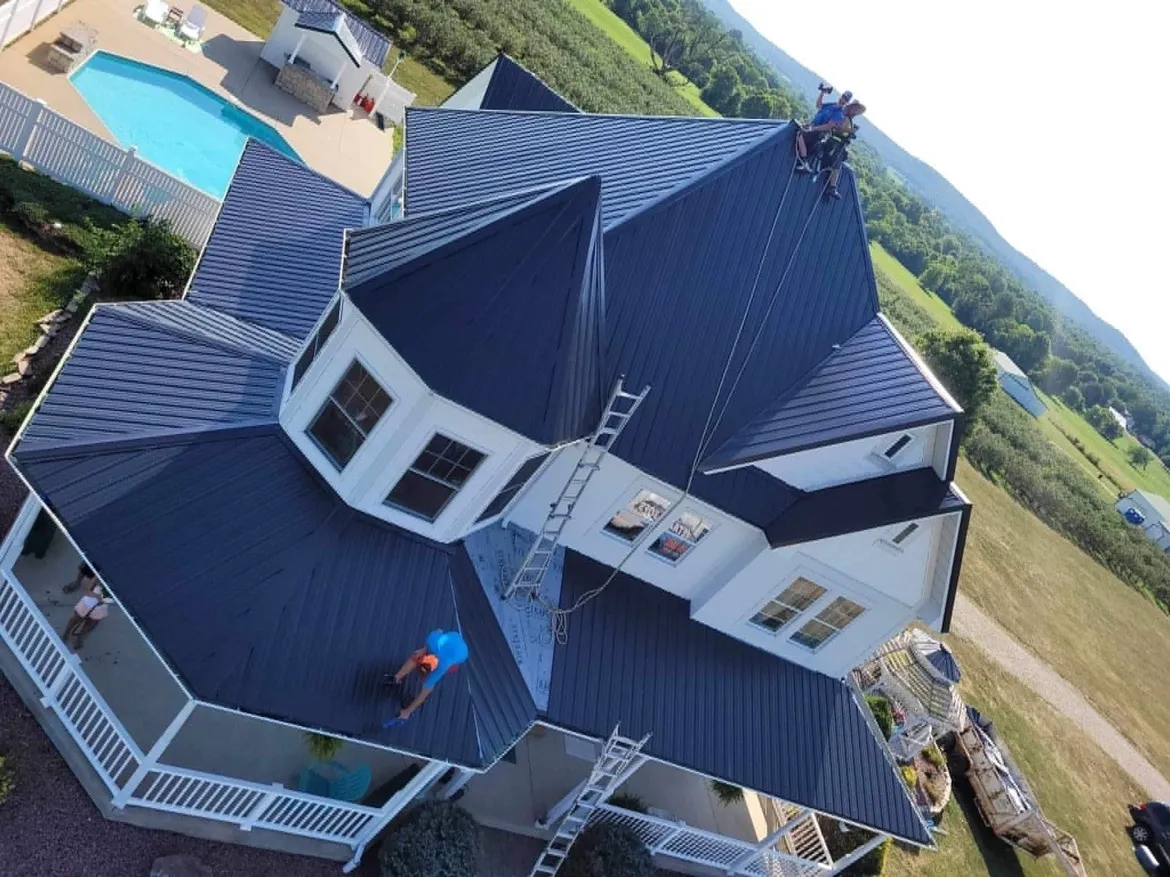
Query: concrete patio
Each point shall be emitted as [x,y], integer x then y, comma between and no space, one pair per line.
[344,145]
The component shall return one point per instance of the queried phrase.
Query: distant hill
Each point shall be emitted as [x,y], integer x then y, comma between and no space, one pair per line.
[936,190]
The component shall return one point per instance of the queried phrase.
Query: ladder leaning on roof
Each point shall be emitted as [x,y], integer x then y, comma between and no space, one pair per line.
[618,411]
[608,773]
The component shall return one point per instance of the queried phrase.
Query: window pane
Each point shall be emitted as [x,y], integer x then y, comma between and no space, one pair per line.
[833,618]
[517,481]
[314,346]
[670,547]
[905,533]
[643,511]
[892,450]
[303,364]
[420,495]
[774,616]
[335,434]
[801,594]
[361,397]
[813,634]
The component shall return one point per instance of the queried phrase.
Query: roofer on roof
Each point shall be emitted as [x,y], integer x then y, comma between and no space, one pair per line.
[443,653]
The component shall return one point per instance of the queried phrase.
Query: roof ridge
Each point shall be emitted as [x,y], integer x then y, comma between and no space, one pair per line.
[711,120]
[136,311]
[253,143]
[44,450]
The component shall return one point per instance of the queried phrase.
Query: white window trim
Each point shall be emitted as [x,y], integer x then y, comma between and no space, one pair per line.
[311,440]
[676,511]
[799,573]
[289,389]
[887,543]
[629,496]
[837,631]
[550,455]
[446,509]
[891,462]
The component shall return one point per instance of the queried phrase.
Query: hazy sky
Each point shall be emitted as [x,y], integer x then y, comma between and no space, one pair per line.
[968,86]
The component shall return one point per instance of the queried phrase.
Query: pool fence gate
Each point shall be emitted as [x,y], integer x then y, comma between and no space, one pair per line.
[32,133]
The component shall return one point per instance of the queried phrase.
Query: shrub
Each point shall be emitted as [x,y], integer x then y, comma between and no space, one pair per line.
[842,843]
[934,755]
[962,361]
[323,747]
[7,782]
[726,792]
[439,839]
[883,713]
[909,775]
[78,214]
[608,850]
[628,802]
[14,416]
[31,215]
[144,260]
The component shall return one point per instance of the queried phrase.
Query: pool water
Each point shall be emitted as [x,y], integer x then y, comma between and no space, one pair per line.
[174,122]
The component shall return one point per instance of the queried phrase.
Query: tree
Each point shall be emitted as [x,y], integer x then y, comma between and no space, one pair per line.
[1058,375]
[962,361]
[1073,398]
[608,849]
[1102,420]
[724,91]
[1094,393]
[758,105]
[1139,457]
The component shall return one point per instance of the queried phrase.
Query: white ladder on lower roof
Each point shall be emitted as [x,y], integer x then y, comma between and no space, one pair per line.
[618,411]
[607,774]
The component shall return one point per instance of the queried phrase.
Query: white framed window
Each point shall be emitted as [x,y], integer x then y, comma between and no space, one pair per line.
[316,343]
[829,622]
[789,603]
[435,476]
[349,415]
[642,512]
[685,532]
[508,492]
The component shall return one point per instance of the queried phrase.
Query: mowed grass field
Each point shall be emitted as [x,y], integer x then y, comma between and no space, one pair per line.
[908,283]
[628,38]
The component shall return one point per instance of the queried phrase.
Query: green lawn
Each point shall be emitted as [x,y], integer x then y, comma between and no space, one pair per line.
[908,283]
[628,38]
[33,282]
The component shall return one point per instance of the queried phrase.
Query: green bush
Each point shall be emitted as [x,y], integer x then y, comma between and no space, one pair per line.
[144,260]
[909,775]
[726,792]
[883,712]
[628,802]
[608,850]
[934,755]
[31,215]
[842,843]
[12,418]
[439,839]
[80,216]
[7,781]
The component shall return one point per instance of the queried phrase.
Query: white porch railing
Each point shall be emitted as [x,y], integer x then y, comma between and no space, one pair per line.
[116,758]
[680,841]
[67,152]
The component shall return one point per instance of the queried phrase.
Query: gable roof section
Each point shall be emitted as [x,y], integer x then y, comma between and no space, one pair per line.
[374,46]
[274,256]
[1008,365]
[311,602]
[633,655]
[870,385]
[455,157]
[516,288]
[332,23]
[865,505]
[513,87]
[153,367]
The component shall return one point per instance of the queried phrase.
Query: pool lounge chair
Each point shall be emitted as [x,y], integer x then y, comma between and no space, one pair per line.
[155,12]
[192,27]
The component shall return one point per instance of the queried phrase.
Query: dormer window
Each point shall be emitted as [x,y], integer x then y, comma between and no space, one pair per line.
[515,483]
[316,343]
[829,622]
[349,415]
[684,534]
[435,476]
[643,511]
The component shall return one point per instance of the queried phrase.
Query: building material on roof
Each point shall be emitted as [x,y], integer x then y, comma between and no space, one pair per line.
[518,290]
[333,23]
[375,47]
[719,706]
[513,87]
[865,505]
[872,384]
[153,367]
[274,255]
[266,593]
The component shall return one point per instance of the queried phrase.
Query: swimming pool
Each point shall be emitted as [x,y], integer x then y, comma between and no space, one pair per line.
[173,121]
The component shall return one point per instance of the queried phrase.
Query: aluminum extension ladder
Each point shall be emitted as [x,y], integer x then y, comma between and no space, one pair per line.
[607,774]
[618,411]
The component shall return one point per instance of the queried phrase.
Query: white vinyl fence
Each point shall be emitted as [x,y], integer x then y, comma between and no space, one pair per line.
[18,17]
[33,133]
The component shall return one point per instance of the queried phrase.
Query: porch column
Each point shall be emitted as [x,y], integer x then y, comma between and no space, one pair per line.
[422,781]
[297,50]
[867,847]
[563,806]
[381,96]
[10,551]
[151,760]
[768,842]
[457,784]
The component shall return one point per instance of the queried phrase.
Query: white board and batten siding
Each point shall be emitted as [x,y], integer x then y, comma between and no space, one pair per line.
[32,133]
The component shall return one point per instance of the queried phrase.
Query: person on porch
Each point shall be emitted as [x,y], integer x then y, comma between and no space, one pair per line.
[443,652]
[90,610]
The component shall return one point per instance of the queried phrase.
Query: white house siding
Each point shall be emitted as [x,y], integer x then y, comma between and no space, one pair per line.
[323,53]
[859,459]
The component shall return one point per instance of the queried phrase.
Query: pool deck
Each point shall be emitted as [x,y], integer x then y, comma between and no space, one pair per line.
[343,145]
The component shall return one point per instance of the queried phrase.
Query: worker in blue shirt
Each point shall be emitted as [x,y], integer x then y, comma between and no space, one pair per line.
[828,118]
[443,653]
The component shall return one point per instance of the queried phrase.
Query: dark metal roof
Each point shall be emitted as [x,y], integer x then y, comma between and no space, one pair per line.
[268,594]
[374,46]
[942,660]
[457,157]
[332,23]
[864,505]
[872,384]
[718,706]
[517,291]
[514,87]
[274,256]
[147,368]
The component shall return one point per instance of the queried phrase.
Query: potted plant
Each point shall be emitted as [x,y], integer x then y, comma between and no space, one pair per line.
[726,792]
[323,747]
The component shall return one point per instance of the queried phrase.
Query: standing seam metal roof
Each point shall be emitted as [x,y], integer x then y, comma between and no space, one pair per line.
[374,46]
[514,87]
[332,23]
